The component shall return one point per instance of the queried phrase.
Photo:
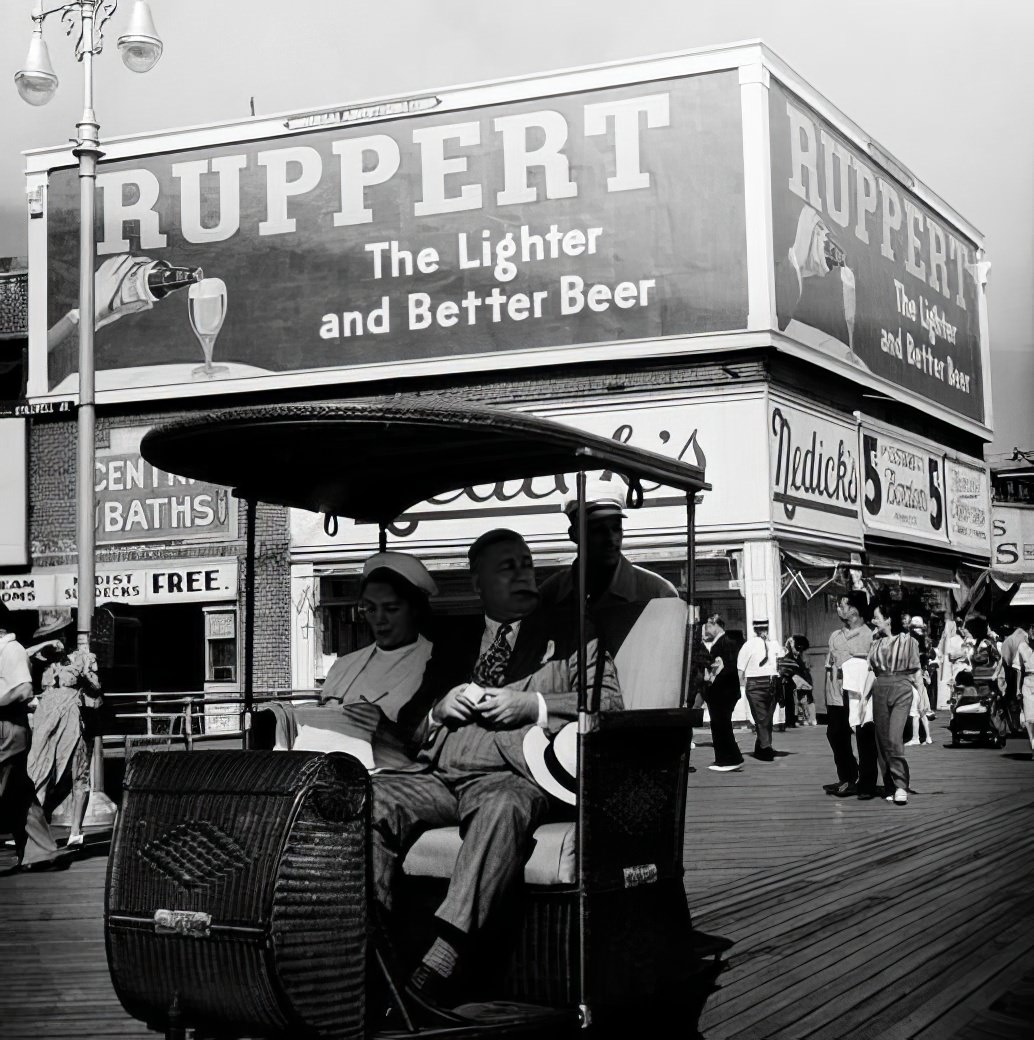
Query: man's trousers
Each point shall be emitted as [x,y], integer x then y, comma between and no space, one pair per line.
[497,813]
[762,693]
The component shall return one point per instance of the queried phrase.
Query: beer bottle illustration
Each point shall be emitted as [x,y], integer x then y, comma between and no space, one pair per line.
[152,280]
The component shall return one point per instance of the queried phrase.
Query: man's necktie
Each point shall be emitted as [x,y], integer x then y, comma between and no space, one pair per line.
[764,660]
[490,669]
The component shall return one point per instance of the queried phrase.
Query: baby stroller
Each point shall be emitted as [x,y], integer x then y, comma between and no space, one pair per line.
[978,712]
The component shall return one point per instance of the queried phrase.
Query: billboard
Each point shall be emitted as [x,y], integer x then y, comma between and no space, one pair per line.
[866,272]
[593,217]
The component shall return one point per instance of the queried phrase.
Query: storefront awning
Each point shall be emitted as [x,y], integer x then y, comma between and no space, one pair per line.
[917,579]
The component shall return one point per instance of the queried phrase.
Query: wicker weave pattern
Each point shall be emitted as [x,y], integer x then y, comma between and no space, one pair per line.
[246,838]
[194,854]
[544,969]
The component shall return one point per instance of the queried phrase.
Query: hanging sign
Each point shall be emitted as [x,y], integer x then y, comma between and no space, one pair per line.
[815,478]
[968,496]
[903,489]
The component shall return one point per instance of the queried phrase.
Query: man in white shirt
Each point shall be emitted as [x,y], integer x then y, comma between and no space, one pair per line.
[757,665]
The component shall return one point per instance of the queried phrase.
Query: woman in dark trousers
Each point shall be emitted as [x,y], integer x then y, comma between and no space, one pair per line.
[894,660]
[721,695]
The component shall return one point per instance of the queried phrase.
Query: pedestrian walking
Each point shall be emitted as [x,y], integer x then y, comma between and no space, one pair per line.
[1023,665]
[721,695]
[852,639]
[757,665]
[795,677]
[19,806]
[894,660]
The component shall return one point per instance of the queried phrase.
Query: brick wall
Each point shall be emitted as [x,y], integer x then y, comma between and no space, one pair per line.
[52,533]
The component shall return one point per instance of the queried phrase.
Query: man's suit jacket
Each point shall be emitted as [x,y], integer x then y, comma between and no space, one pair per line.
[726,685]
[544,659]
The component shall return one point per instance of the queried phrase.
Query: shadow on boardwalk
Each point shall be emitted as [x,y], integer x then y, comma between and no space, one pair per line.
[848,919]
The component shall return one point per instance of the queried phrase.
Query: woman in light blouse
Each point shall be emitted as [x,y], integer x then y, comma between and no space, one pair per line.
[894,660]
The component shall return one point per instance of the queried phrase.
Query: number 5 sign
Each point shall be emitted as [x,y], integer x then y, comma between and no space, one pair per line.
[903,492]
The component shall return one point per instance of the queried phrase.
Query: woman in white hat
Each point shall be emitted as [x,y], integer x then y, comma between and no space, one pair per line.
[394,600]
[373,688]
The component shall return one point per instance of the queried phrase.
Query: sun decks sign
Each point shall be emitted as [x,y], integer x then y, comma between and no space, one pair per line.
[196,581]
[594,217]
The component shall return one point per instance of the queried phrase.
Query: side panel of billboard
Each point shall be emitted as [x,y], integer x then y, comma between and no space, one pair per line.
[592,217]
[865,272]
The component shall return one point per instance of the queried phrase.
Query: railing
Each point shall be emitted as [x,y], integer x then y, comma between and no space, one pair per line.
[186,717]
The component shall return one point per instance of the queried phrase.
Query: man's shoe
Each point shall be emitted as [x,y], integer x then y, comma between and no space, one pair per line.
[900,796]
[726,769]
[912,742]
[422,994]
[765,754]
[830,788]
[845,790]
[866,796]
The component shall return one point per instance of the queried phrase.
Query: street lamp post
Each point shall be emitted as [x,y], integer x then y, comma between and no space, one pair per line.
[37,83]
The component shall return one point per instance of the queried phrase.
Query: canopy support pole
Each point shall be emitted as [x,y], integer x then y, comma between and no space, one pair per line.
[689,642]
[249,622]
[583,606]
[382,538]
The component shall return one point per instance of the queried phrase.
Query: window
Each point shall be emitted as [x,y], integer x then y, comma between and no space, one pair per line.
[221,644]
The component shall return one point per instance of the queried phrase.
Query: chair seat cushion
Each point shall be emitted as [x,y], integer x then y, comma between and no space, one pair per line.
[552,861]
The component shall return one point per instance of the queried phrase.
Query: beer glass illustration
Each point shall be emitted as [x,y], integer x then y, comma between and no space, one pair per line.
[206,304]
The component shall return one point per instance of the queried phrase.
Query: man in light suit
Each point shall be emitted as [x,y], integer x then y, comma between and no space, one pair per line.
[471,770]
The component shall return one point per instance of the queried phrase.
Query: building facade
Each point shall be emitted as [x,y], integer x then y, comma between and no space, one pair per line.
[697,254]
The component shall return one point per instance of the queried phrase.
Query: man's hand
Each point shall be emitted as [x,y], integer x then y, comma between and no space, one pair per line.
[509,709]
[455,708]
[109,292]
[807,248]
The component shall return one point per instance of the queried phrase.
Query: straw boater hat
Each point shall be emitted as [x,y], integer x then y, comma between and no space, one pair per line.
[553,761]
[51,622]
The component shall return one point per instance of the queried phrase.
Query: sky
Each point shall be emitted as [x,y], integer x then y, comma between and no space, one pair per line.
[944,85]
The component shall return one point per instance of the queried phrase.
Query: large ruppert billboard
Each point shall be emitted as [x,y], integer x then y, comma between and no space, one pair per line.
[865,271]
[598,216]
[658,208]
